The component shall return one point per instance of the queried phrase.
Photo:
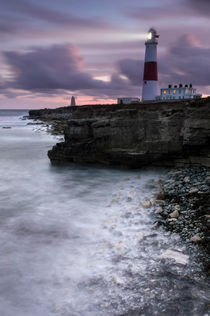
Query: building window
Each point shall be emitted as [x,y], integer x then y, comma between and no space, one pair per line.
[169,91]
[174,91]
[164,91]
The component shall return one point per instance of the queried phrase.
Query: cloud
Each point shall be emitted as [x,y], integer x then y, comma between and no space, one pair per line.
[177,9]
[51,68]
[57,68]
[188,61]
[163,11]
[132,69]
[201,6]
[156,13]
[60,68]
[54,17]
[10,25]
[185,61]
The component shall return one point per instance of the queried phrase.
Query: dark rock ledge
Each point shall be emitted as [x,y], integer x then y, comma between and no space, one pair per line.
[133,135]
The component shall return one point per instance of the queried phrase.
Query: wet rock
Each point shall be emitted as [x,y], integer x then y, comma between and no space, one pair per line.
[179,257]
[187,179]
[147,204]
[151,181]
[140,237]
[174,214]
[193,191]
[186,205]
[159,210]
[160,202]
[196,238]
[160,195]
[172,220]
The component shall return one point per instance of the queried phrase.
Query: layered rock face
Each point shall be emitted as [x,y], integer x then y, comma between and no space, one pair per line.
[136,135]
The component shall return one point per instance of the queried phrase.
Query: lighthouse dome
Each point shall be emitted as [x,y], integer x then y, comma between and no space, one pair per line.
[152,30]
[152,35]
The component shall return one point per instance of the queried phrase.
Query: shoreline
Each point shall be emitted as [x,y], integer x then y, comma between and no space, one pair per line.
[183,205]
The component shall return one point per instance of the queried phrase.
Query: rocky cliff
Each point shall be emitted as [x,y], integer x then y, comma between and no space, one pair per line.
[134,135]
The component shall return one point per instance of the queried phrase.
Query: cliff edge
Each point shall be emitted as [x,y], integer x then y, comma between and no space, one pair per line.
[134,135]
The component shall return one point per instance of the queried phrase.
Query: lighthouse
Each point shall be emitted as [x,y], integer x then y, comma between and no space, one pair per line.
[150,80]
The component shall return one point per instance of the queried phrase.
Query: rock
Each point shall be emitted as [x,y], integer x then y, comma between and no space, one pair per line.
[147,204]
[133,135]
[157,224]
[151,181]
[159,210]
[159,181]
[35,123]
[187,179]
[193,191]
[204,188]
[177,207]
[160,202]
[172,220]
[196,238]
[174,214]
[179,257]
[140,237]
[160,195]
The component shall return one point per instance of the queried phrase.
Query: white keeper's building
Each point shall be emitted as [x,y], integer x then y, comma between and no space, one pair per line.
[178,93]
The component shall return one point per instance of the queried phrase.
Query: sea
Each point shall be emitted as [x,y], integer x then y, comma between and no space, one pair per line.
[76,241]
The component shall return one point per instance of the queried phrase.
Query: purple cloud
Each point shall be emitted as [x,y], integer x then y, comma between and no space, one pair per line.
[188,61]
[184,62]
[132,69]
[60,67]
[178,9]
[160,13]
[202,6]
[54,67]
[55,17]
[57,69]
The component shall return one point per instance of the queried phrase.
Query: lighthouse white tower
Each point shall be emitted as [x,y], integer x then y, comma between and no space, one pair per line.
[150,80]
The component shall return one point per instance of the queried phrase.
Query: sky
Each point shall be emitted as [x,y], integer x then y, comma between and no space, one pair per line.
[94,49]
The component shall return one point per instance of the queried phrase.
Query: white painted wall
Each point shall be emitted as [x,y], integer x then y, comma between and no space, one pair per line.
[151,52]
[181,93]
[150,91]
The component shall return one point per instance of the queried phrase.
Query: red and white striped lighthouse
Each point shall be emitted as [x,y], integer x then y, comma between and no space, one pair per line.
[150,80]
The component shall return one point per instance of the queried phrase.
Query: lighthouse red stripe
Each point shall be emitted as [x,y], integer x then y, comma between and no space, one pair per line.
[150,71]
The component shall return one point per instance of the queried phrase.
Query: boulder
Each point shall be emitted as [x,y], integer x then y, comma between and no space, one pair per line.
[196,238]
[174,214]
[147,204]
[159,210]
